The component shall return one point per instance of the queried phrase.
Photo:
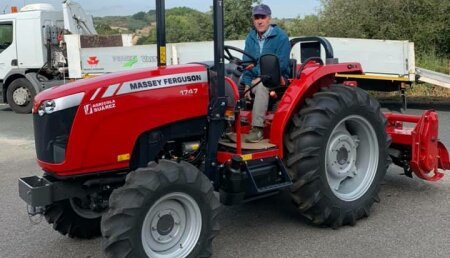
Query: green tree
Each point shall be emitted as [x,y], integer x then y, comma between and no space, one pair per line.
[140,16]
[425,22]
[306,26]
[182,25]
[134,24]
[237,18]
[103,29]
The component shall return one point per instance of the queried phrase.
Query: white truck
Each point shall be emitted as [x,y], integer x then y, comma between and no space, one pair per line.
[31,54]
[40,47]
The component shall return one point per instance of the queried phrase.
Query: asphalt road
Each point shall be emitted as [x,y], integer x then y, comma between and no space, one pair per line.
[412,220]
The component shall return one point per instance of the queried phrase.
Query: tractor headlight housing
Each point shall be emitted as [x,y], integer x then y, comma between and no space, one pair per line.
[47,107]
[52,125]
[53,105]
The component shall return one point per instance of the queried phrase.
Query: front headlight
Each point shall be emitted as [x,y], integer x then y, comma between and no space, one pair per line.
[54,105]
[47,107]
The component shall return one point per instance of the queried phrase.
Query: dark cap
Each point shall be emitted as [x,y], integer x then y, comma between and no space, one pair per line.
[261,9]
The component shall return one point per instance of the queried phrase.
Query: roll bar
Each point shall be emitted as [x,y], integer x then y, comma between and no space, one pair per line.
[329,54]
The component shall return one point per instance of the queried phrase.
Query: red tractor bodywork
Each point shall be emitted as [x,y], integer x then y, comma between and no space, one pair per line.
[116,109]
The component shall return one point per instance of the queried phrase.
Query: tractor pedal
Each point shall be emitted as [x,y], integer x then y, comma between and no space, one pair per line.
[267,175]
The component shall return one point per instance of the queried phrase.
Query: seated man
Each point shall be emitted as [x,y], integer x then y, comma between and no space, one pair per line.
[264,38]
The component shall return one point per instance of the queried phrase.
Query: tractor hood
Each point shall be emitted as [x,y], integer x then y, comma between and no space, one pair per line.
[97,122]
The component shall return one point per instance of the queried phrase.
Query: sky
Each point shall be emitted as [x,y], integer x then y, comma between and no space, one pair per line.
[280,8]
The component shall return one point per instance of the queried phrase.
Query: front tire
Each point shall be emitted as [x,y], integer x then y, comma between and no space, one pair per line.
[165,210]
[68,218]
[20,95]
[336,148]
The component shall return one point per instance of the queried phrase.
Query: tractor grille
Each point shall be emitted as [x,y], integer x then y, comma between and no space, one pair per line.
[51,133]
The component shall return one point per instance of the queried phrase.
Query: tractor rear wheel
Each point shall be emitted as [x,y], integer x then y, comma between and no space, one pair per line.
[336,148]
[165,210]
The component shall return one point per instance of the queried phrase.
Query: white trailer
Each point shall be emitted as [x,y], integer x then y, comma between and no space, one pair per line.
[389,65]
[386,63]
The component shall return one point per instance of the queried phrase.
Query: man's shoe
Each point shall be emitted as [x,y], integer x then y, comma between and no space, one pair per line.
[255,135]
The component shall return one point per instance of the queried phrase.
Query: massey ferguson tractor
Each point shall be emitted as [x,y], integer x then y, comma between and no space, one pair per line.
[146,157]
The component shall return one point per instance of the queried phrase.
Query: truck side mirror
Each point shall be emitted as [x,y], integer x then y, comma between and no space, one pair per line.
[270,71]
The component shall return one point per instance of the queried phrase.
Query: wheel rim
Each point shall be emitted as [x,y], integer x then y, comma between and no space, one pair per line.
[351,158]
[86,213]
[21,96]
[172,226]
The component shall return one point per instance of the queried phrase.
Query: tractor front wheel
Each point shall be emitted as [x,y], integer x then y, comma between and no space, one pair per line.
[336,148]
[165,210]
[71,217]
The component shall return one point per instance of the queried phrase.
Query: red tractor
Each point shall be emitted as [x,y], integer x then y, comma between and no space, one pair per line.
[141,156]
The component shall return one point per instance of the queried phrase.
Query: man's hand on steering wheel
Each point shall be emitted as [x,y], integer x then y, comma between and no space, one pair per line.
[248,64]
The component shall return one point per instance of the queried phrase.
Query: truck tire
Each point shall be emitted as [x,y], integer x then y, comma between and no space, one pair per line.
[336,148]
[165,210]
[69,219]
[20,95]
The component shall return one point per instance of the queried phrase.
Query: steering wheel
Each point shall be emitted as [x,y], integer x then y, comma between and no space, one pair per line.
[233,59]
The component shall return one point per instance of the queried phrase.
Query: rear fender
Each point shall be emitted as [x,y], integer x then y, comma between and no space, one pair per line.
[312,78]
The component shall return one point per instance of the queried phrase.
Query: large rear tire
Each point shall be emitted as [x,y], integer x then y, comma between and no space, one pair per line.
[69,218]
[20,95]
[336,148]
[165,210]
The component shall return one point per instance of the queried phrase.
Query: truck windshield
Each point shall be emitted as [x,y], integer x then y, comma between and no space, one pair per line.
[6,35]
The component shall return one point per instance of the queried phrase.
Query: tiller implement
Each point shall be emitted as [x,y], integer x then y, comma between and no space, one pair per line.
[418,149]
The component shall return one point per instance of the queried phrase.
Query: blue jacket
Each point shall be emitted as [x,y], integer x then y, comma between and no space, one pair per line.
[276,43]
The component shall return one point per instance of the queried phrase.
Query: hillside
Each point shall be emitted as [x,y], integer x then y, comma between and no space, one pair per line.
[183,24]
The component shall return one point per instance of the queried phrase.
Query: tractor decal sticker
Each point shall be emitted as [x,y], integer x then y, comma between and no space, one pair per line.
[110,91]
[95,93]
[90,109]
[163,81]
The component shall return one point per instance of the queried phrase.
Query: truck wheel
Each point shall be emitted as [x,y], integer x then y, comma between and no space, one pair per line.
[336,148]
[20,95]
[69,218]
[165,210]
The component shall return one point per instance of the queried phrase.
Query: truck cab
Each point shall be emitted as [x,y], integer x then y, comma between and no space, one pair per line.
[24,41]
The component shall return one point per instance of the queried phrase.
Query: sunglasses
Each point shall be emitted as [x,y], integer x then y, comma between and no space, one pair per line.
[259,16]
